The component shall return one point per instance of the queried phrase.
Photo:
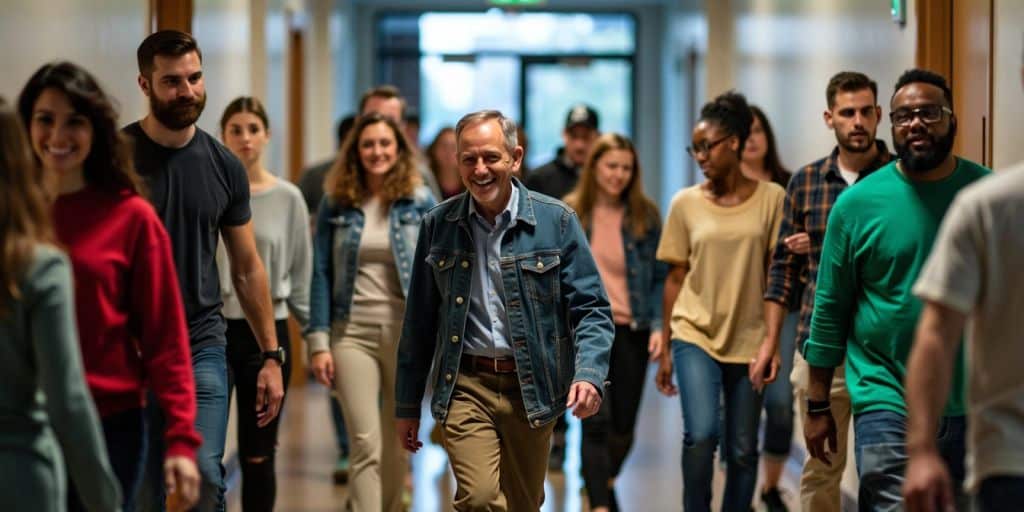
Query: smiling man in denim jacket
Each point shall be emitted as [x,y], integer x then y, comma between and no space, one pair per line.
[507,307]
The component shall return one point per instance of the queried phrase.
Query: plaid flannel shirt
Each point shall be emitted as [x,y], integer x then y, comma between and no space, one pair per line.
[809,198]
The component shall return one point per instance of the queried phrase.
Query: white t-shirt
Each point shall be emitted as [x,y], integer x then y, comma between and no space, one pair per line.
[849,176]
[976,267]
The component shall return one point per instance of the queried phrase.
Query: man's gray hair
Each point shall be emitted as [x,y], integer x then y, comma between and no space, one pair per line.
[508,126]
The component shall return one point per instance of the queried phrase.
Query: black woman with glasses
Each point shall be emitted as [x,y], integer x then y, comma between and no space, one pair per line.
[717,240]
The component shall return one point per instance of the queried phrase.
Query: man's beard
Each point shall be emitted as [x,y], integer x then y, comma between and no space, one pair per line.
[845,143]
[177,114]
[923,161]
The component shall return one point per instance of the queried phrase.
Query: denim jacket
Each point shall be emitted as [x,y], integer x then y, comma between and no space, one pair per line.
[645,277]
[334,273]
[559,316]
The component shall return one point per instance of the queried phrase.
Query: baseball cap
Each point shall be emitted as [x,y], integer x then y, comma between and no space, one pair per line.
[581,114]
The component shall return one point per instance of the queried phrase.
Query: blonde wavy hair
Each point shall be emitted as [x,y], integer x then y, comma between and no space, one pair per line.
[346,181]
[641,213]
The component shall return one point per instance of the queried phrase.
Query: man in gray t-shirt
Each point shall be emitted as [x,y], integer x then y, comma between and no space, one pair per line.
[976,272]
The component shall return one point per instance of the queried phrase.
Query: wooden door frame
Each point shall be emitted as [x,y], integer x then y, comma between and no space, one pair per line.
[949,43]
[171,14]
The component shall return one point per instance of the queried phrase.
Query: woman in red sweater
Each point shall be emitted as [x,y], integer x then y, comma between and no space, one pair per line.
[128,305]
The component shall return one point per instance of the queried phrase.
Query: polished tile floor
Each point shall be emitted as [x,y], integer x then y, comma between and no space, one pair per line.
[651,479]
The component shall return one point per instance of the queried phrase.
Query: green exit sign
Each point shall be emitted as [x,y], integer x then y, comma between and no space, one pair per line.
[506,3]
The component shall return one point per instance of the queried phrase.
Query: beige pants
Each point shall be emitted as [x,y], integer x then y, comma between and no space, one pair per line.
[819,484]
[498,460]
[365,356]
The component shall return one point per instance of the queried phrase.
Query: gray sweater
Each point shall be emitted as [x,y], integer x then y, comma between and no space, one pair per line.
[46,411]
[280,223]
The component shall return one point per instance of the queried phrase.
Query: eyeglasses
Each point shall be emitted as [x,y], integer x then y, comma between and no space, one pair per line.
[705,148]
[928,114]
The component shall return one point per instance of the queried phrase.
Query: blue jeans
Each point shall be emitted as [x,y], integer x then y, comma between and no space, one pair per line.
[702,383]
[881,449]
[209,364]
[1000,494]
[778,396]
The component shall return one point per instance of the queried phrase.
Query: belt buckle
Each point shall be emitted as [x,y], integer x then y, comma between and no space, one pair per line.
[494,362]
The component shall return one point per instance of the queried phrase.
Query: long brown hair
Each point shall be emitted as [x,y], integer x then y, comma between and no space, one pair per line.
[24,208]
[109,163]
[641,213]
[772,162]
[346,181]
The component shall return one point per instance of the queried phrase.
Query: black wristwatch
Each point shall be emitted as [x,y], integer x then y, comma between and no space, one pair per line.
[278,354]
[818,407]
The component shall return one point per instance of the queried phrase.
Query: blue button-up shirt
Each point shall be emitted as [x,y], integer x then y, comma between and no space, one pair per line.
[487,332]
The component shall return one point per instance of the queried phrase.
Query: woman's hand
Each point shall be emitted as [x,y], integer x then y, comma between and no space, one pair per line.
[764,368]
[655,345]
[322,365]
[663,379]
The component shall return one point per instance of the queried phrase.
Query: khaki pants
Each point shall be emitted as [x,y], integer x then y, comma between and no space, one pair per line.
[365,356]
[498,460]
[819,484]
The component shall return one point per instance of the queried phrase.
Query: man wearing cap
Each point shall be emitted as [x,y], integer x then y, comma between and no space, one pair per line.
[558,177]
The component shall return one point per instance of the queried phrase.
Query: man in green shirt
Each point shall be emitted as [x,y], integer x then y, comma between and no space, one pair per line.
[878,237]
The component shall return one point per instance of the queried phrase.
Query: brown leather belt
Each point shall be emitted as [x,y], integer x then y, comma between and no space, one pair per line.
[487,364]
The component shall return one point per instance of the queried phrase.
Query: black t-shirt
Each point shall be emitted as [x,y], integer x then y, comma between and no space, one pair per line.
[196,190]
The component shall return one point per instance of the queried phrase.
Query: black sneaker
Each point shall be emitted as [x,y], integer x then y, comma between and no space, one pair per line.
[772,499]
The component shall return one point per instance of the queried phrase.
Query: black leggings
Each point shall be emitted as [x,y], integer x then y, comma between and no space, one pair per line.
[259,484]
[608,435]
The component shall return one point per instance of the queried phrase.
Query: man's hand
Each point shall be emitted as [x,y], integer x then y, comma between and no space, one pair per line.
[655,344]
[269,393]
[928,487]
[819,429]
[764,368]
[584,399]
[181,476]
[409,434]
[799,243]
[663,379]
[322,365]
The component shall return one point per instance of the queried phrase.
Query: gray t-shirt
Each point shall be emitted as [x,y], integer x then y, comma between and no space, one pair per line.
[280,225]
[976,267]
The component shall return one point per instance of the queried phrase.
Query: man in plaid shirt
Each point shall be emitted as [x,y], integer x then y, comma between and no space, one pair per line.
[853,114]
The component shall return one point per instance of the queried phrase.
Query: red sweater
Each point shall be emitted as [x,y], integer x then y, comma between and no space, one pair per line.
[131,321]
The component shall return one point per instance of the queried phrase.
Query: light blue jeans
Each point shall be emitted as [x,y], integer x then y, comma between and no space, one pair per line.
[209,364]
[702,383]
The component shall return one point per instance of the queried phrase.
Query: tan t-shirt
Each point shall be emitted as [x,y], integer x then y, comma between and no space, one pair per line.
[977,268]
[720,305]
[377,294]
[610,256]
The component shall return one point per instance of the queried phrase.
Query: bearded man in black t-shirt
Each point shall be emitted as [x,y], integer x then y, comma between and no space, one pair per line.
[200,191]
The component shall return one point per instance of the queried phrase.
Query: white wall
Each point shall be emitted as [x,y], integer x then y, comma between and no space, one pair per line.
[1008,92]
[99,35]
[786,52]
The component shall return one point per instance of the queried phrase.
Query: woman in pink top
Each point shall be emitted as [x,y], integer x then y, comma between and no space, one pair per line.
[623,227]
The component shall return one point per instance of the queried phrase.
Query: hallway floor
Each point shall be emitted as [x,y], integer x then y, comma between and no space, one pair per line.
[651,479]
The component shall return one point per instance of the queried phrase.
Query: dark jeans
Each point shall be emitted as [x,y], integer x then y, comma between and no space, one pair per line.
[259,484]
[608,435]
[881,449]
[1000,494]
[209,365]
[702,383]
[338,420]
[125,435]
[778,396]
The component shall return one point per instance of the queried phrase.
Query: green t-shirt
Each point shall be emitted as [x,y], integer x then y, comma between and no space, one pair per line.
[878,237]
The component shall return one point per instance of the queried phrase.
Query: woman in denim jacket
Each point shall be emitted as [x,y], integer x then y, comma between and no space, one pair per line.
[366,231]
[623,226]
